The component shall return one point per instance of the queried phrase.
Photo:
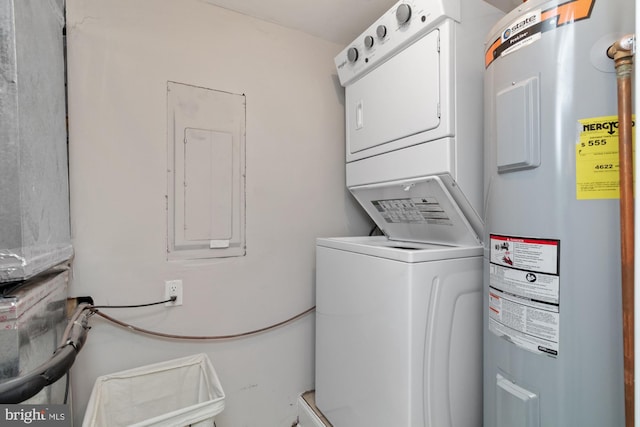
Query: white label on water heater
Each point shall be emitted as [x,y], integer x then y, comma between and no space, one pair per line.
[524,292]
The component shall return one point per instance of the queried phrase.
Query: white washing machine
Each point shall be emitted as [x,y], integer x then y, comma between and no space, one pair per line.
[399,323]
[402,330]
[399,316]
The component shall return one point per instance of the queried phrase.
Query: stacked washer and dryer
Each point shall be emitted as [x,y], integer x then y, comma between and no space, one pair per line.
[399,316]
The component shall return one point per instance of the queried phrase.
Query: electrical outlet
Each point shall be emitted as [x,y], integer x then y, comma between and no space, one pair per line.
[173,288]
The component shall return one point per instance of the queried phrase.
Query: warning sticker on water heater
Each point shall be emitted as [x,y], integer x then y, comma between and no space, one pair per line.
[524,292]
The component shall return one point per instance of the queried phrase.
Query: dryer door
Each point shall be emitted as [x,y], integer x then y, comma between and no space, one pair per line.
[398,99]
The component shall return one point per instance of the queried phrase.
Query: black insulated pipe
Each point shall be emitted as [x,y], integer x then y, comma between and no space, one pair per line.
[19,389]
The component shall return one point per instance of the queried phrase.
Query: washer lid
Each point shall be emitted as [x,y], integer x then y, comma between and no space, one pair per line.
[428,210]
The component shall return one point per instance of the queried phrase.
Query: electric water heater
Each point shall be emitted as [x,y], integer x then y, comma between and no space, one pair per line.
[553,352]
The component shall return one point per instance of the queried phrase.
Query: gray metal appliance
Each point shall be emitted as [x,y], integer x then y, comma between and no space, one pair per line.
[34,195]
[552,292]
[32,322]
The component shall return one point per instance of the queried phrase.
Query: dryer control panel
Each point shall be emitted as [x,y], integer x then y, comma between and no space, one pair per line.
[400,26]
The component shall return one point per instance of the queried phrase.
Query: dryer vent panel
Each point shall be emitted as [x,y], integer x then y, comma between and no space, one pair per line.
[205,200]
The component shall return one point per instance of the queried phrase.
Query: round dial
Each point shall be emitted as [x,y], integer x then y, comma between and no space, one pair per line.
[352,54]
[368,42]
[403,13]
[381,31]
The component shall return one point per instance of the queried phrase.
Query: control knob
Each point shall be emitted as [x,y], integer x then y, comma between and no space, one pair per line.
[368,42]
[352,54]
[381,31]
[403,13]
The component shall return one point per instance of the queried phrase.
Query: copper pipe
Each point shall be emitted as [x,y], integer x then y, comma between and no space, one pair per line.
[622,54]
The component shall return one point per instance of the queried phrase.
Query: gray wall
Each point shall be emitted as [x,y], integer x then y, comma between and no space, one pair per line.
[121,54]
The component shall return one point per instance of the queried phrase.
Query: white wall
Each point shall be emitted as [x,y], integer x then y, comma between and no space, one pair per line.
[121,53]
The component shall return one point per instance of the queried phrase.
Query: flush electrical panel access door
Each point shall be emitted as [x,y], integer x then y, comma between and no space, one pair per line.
[205,170]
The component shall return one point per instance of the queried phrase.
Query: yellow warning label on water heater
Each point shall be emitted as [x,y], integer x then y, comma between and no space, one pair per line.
[597,161]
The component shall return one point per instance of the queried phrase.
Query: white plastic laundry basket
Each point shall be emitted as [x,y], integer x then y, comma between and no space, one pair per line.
[178,392]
